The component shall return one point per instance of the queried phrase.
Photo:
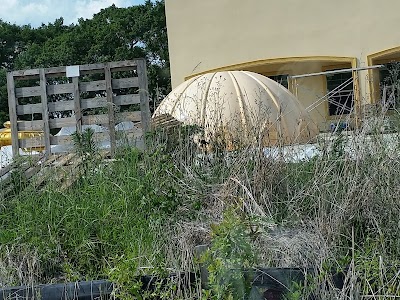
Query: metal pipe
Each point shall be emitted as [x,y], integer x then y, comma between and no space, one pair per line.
[335,71]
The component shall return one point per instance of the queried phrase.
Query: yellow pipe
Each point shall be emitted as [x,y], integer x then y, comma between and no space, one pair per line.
[5,136]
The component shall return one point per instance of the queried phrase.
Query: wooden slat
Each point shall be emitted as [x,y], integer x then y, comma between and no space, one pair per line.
[95,119]
[134,116]
[114,66]
[127,99]
[60,71]
[91,67]
[118,100]
[29,109]
[23,73]
[62,140]
[144,95]
[100,85]
[64,160]
[102,119]
[130,133]
[67,88]
[98,136]
[123,69]
[45,112]
[56,71]
[123,83]
[166,123]
[94,102]
[97,85]
[77,105]
[30,125]
[111,112]
[64,88]
[5,170]
[34,142]
[84,69]
[12,104]
[53,123]
[6,184]
[67,139]
[32,171]
[34,73]
[62,122]
[162,118]
[123,64]
[46,166]
[30,91]
[61,106]
[28,169]
[53,89]
[51,159]
[74,174]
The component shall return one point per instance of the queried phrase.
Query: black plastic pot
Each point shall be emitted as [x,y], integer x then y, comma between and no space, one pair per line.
[181,280]
[87,290]
[274,283]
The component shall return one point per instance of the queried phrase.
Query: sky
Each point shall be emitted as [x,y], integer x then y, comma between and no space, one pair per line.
[36,12]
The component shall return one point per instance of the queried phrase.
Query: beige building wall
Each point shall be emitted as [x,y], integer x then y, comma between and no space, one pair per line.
[282,37]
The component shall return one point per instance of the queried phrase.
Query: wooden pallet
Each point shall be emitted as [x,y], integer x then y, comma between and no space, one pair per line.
[165,121]
[63,169]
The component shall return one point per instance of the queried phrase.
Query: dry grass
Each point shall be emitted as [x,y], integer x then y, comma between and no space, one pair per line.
[337,211]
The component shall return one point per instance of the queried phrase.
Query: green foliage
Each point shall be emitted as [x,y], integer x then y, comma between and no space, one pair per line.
[337,150]
[115,211]
[87,149]
[137,214]
[378,276]
[84,142]
[228,257]
[296,292]
[3,97]
[113,34]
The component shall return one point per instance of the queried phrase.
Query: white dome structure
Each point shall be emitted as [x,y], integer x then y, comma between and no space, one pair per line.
[243,107]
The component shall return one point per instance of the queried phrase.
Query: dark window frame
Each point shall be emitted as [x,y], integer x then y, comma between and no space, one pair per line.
[341,101]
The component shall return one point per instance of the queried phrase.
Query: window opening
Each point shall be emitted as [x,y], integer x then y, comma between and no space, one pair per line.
[340,93]
[281,79]
[389,83]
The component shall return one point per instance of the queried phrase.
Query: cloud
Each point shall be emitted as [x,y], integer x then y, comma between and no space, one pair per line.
[36,12]
[86,9]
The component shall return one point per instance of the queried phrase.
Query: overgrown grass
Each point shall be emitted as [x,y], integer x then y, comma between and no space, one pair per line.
[115,211]
[144,212]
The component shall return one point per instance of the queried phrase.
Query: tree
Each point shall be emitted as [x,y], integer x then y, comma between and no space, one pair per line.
[3,97]
[113,34]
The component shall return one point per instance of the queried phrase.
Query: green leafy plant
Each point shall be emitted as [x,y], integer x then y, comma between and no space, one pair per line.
[295,292]
[86,148]
[227,258]
[84,143]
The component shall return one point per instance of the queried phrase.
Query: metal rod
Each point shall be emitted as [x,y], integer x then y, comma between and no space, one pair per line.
[336,71]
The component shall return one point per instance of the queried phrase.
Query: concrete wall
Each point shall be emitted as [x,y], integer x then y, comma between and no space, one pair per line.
[209,34]
[206,35]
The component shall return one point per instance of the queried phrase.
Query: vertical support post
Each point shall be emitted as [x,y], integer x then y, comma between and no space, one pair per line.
[45,112]
[357,99]
[110,102]
[12,107]
[143,95]
[77,104]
